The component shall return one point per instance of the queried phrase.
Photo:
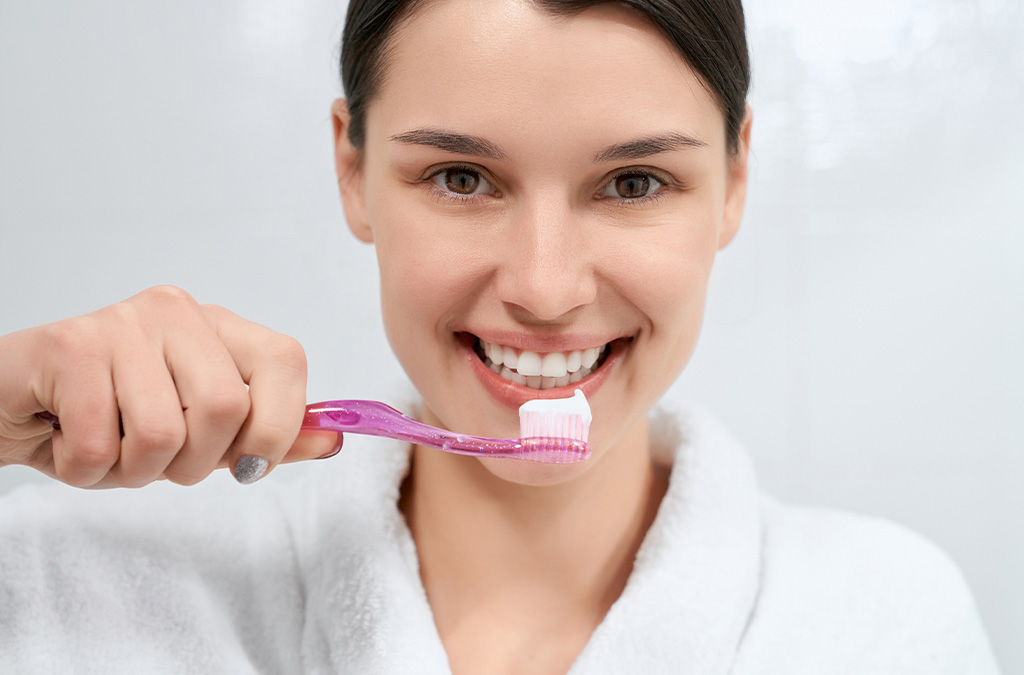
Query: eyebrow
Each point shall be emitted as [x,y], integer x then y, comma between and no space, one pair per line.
[651,145]
[466,144]
[461,144]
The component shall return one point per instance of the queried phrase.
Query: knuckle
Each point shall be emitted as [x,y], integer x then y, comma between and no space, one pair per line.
[160,435]
[75,339]
[214,310]
[228,406]
[216,315]
[272,436]
[122,313]
[167,293]
[85,458]
[129,324]
[164,299]
[288,352]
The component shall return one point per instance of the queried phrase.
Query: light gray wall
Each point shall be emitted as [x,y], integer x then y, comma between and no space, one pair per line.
[865,329]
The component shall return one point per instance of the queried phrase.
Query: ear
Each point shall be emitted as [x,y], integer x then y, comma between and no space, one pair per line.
[348,162]
[736,188]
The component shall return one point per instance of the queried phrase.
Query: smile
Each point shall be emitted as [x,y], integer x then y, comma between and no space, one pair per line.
[540,371]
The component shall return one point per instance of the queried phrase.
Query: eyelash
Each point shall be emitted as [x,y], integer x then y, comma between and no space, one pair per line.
[454,198]
[666,185]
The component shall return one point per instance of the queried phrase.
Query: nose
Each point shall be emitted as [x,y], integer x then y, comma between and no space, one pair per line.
[548,265]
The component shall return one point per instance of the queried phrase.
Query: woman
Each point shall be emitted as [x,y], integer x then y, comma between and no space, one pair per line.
[544,177]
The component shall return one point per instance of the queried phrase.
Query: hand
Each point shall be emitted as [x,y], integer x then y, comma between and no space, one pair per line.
[195,388]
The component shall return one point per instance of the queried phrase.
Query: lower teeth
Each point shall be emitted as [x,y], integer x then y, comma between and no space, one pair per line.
[511,375]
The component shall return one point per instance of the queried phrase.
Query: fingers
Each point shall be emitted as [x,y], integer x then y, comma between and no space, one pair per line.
[192,388]
[314,445]
[214,397]
[274,366]
[242,388]
[89,442]
[151,415]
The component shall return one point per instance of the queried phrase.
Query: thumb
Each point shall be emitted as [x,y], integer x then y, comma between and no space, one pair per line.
[309,445]
[314,445]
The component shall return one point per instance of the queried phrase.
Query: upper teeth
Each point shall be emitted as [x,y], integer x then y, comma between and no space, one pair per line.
[531,364]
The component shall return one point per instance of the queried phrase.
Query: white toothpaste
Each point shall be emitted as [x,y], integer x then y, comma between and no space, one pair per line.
[556,417]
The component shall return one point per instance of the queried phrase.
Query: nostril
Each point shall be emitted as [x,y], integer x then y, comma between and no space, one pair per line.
[546,299]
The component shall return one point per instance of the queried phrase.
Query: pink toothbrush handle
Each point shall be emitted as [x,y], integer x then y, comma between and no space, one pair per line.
[377,419]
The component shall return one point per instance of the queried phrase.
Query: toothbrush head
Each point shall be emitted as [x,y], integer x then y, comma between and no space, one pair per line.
[555,430]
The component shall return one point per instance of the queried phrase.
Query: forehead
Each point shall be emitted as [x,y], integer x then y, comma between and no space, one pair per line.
[506,67]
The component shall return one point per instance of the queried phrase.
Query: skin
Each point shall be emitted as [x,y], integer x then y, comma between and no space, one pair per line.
[195,387]
[521,561]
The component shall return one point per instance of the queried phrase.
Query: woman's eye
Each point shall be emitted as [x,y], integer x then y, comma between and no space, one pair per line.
[461,181]
[632,186]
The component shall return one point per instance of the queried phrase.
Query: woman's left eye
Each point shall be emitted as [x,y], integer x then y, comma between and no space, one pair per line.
[632,185]
[461,182]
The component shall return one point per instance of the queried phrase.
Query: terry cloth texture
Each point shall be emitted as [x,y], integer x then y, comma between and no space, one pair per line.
[320,575]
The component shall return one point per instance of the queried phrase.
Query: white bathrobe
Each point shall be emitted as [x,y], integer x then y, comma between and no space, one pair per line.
[319,575]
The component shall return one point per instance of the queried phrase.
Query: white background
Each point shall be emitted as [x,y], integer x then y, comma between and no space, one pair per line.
[864,335]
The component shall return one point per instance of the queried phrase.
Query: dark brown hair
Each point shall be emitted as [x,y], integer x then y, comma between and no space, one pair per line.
[709,34]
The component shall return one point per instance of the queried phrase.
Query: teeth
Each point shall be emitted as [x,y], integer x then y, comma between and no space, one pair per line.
[556,369]
[553,365]
[574,361]
[529,364]
[512,376]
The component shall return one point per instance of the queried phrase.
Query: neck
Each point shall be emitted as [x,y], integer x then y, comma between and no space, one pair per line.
[547,551]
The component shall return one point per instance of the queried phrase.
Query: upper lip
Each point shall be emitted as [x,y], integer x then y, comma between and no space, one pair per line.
[543,344]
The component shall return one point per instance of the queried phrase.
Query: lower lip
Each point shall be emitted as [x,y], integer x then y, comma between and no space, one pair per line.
[515,395]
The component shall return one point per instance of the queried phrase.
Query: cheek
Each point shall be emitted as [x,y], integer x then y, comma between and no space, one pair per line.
[421,275]
[670,288]
[425,277]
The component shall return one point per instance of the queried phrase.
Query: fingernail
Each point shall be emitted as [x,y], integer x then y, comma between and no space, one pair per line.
[250,469]
[336,450]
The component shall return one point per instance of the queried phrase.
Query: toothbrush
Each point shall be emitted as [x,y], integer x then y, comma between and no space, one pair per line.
[554,431]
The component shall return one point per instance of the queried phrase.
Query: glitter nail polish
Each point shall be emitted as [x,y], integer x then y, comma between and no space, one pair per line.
[250,469]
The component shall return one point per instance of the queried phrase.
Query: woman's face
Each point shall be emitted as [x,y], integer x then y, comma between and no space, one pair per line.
[557,186]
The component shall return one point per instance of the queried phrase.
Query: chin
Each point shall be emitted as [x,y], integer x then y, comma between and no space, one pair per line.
[535,474]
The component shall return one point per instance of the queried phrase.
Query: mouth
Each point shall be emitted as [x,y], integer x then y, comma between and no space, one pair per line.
[506,376]
[537,370]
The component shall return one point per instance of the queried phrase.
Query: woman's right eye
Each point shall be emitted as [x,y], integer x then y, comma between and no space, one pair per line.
[460,181]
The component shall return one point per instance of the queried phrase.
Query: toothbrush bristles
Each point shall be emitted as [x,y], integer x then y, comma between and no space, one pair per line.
[553,425]
[550,450]
[555,431]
